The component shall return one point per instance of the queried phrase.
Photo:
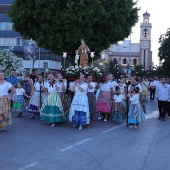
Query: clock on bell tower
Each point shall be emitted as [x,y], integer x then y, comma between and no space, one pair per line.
[145,42]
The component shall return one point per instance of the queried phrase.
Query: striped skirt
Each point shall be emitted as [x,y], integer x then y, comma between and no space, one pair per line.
[136,114]
[19,104]
[92,104]
[35,103]
[52,109]
[5,113]
[65,102]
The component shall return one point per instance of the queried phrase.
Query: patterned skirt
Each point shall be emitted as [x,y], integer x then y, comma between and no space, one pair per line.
[136,114]
[19,104]
[104,102]
[52,109]
[65,102]
[5,113]
[119,112]
[79,110]
[92,104]
[34,104]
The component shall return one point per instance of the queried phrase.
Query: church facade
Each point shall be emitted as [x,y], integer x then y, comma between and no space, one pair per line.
[134,53]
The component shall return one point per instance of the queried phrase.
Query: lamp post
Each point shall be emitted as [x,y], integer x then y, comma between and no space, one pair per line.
[92,56]
[102,57]
[64,56]
[31,49]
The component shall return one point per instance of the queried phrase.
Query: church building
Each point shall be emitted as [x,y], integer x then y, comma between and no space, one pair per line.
[134,53]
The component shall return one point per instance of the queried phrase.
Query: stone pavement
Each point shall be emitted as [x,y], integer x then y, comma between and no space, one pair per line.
[34,145]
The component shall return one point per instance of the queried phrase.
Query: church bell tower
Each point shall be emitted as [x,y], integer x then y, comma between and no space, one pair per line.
[145,42]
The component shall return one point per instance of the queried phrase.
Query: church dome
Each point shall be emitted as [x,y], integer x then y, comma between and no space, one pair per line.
[146,14]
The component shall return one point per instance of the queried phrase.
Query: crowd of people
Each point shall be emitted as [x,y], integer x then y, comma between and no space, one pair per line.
[53,99]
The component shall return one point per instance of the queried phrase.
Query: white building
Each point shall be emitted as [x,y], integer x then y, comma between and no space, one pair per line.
[134,53]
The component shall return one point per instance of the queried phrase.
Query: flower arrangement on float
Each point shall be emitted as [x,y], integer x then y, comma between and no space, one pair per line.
[74,71]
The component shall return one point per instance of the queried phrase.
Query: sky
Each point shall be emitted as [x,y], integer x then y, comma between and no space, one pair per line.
[159,18]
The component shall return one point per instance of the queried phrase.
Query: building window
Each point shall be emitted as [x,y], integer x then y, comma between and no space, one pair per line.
[6,25]
[124,61]
[134,61]
[45,65]
[8,41]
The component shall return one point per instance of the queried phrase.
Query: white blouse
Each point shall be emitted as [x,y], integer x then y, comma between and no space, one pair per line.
[37,86]
[4,88]
[20,91]
[84,86]
[51,88]
[106,86]
[93,85]
[59,85]
[134,99]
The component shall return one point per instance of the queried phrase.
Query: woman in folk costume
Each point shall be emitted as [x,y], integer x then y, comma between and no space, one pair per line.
[104,99]
[119,109]
[145,87]
[27,85]
[91,97]
[39,94]
[5,109]
[136,113]
[19,101]
[61,90]
[52,109]
[79,110]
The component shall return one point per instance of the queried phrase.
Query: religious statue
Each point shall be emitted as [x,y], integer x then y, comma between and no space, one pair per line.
[83,50]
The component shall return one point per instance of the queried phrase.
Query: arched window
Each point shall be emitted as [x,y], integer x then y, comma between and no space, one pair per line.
[124,61]
[134,61]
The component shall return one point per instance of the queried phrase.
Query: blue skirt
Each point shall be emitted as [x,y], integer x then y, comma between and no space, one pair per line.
[79,118]
[136,114]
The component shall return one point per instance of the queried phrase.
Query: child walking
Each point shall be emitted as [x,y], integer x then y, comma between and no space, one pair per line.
[19,101]
[136,113]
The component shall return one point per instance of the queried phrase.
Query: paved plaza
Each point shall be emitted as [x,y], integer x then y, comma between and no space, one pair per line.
[34,145]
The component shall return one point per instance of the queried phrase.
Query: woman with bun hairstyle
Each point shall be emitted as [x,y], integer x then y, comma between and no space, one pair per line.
[136,113]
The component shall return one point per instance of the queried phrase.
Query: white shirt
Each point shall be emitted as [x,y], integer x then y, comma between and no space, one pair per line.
[71,85]
[140,88]
[37,86]
[163,92]
[106,86]
[122,88]
[4,88]
[20,92]
[118,98]
[51,89]
[59,85]
[113,84]
[134,99]
[84,86]
[93,85]
[153,83]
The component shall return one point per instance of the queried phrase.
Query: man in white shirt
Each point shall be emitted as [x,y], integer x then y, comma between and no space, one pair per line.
[163,95]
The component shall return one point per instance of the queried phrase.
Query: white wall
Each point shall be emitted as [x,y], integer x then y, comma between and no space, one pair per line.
[28,64]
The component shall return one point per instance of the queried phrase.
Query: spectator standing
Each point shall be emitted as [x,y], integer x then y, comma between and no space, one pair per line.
[163,95]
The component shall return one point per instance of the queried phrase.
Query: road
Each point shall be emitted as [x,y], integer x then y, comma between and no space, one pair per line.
[34,145]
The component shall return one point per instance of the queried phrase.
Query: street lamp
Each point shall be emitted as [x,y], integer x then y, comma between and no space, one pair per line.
[64,56]
[30,49]
[92,56]
[102,57]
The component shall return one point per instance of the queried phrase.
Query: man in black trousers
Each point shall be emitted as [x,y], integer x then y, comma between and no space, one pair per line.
[163,95]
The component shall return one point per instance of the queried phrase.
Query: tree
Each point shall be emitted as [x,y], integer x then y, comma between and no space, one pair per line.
[58,25]
[114,68]
[8,61]
[164,52]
